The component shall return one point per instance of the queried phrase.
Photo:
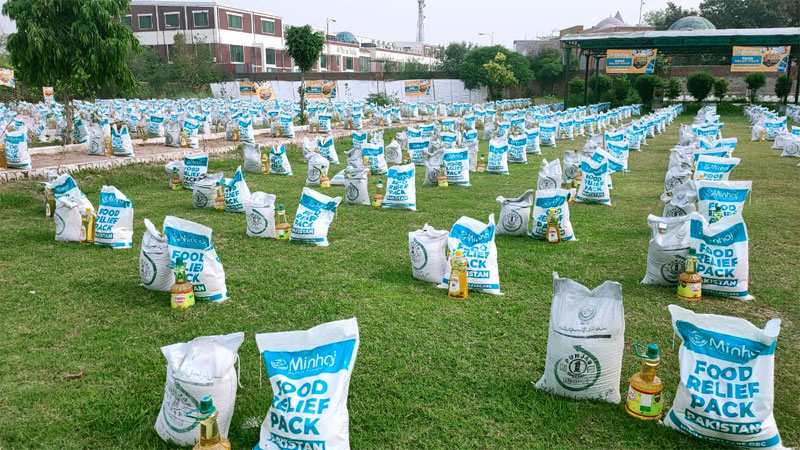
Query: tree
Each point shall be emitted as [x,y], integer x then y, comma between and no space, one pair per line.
[751,13]
[699,84]
[674,88]
[783,86]
[604,84]
[547,66]
[662,19]
[473,73]
[754,82]
[183,62]
[621,88]
[304,47]
[499,75]
[720,88]
[412,70]
[454,56]
[76,46]
[646,85]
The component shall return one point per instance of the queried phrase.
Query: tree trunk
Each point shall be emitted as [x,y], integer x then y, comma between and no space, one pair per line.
[68,117]
[302,97]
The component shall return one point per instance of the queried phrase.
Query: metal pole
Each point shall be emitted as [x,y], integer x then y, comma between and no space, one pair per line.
[567,56]
[788,75]
[797,81]
[596,74]
[586,81]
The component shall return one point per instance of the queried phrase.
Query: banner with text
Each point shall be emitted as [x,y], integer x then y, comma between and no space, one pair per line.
[641,60]
[760,59]
[417,88]
[320,89]
[7,77]
[47,93]
[246,88]
[265,93]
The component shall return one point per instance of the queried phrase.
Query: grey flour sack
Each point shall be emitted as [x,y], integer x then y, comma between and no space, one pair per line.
[515,214]
[585,341]
[426,249]
[669,246]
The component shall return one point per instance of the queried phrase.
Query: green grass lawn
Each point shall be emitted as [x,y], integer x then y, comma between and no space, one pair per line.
[432,372]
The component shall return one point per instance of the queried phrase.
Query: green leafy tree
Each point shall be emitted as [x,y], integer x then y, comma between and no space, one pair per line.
[663,18]
[183,62]
[751,13]
[674,88]
[646,86]
[661,66]
[473,73]
[304,47]
[575,87]
[76,46]
[548,67]
[622,89]
[603,84]
[783,86]
[754,82]
[700,84]
[412,70]
[454,56]
[720,88]
[499,75]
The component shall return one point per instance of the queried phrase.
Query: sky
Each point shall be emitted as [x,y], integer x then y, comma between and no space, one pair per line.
[446,20]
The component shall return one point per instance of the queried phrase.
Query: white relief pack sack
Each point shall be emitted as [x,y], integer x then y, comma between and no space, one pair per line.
[114,222]
[585,341]
[714,168]
[236,192]
[517,146]
[311,368]
[203,366]
[547,199]
[426,249]
[667,251]
[356,186]
[515,214]
[374,158]
[532,144]
[194,166]
[728,196]
[547,134]
[417,148]
[155,265]
[314,216]
[727,384]
[476,240]
[279,162]
[594,187]
[121,144]
[498,157]
[456,163]
[550,175]
[394,153]
[722,251]
[328,149]
[317,165]
[192,242]
[401,189]
[65,186]
[260,210]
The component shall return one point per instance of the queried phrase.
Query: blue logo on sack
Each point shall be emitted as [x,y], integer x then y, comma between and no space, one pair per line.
[733,349]
[471,238]
[329,358]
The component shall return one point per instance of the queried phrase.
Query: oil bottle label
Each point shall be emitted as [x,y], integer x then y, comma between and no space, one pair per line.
[646,405]
[182,300]
[455,286]
[690,291]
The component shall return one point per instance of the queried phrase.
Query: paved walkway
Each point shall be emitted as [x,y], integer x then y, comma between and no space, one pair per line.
[73,158]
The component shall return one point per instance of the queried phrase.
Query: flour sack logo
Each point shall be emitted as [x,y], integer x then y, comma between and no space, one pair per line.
[256,222]
[587,313]
[352,192]
[578,371]
[673,269]
[199,199]
[512,221]
[419,256]
[547,183]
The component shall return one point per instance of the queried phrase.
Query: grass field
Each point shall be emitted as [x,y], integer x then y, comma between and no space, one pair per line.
[432,372]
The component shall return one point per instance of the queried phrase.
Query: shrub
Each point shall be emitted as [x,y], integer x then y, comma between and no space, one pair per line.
[699,84]
[576,91]
[754,82]
[604,84]
[783,86]
[674,88]
[720,88]
[622,88]
[645,85]
[382,99]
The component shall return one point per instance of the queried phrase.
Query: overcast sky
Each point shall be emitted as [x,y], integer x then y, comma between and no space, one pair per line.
[447,20]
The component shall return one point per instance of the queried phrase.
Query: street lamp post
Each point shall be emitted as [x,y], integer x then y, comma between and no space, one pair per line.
[327,42]
[491,36]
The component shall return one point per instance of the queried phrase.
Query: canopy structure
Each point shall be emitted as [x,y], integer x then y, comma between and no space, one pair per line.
[679,42]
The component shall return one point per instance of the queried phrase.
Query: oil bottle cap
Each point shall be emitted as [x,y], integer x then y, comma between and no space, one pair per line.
[651,351]
[459,253]
[280,207]
[178,261]
[207,405]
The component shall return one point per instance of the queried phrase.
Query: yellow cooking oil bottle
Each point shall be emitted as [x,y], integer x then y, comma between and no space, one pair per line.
[442,179]
[109,146]
[457,288]
[219,200]
[210,438]
[644,394]
[49,202]
[690,283]
[182,292]
[3,157]
[324,181]
[553,232]
[481,163]
[282,227]
[377,197]
[175,182]
[87,226]
[265,163]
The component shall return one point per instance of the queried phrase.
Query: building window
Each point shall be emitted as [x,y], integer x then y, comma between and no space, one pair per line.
[348,63]
[323,61]
[200,18]
[267,26]
[170,52]
[427,51]
[237,53]
[235,21]
[363,64]
[172,20]
[126,20]
[270,56]
[146,22]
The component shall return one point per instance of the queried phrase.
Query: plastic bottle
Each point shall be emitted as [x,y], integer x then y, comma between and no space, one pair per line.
[717,214]
[87,226]
[481,163]
[184,139]
[282,227]
[182,292]
[109,147]
[457,288]
[265,163]
[49,202]
[553,229]
[3,157]
[377,197]
[175,182]
[236,135]
[209,428]
[442,179]
[324,181]
[690,283]
[644,394]
[219,200]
